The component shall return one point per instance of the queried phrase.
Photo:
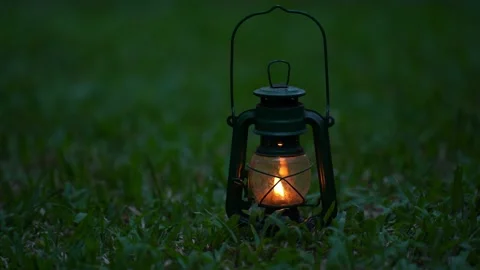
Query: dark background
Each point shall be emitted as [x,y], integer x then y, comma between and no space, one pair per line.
[97,96]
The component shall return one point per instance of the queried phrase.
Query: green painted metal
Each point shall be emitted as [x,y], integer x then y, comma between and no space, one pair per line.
[279,91]
[280,121]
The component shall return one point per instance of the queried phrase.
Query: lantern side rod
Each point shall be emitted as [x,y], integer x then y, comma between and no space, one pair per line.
[232,46]
[235,186]
[324,166]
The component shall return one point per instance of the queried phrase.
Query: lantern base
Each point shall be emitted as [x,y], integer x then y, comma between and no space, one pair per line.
[293,214]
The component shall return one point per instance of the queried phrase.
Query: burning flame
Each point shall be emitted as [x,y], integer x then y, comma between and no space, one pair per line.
[282,171]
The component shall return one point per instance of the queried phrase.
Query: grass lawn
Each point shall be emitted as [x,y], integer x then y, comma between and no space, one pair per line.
[114,146]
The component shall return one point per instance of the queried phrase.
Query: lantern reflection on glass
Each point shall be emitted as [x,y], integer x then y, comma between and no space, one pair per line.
[278,175]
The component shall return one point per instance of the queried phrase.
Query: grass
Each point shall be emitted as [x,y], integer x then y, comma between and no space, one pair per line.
[114,146]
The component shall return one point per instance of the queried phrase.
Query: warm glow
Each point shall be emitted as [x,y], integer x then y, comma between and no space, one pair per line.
[280,144]
[286,192]
[282,172]
[278,189]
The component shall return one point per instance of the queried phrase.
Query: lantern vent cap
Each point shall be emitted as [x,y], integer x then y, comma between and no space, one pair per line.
[282,90]
[279,91]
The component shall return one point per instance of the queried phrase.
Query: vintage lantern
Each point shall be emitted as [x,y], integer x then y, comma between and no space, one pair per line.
[278,175]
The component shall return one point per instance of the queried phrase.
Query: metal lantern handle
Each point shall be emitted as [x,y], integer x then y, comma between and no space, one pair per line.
[270,74]
[232,43]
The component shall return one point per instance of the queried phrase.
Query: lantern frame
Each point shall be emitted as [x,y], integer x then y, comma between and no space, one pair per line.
[288,121]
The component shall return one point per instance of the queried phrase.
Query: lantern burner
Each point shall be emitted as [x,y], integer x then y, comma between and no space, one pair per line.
[280,146]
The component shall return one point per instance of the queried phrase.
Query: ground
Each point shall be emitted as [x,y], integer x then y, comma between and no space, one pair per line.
[114,145]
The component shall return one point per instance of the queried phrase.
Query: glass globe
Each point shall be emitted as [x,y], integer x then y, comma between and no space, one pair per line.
[266,184]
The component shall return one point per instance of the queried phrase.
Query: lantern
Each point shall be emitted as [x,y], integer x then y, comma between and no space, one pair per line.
[278,175]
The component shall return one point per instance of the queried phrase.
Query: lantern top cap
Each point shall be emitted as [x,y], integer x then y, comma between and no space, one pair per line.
[282,90]
[279,91]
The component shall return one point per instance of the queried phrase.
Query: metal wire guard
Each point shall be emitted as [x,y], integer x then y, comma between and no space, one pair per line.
[232,45]
[284,179]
